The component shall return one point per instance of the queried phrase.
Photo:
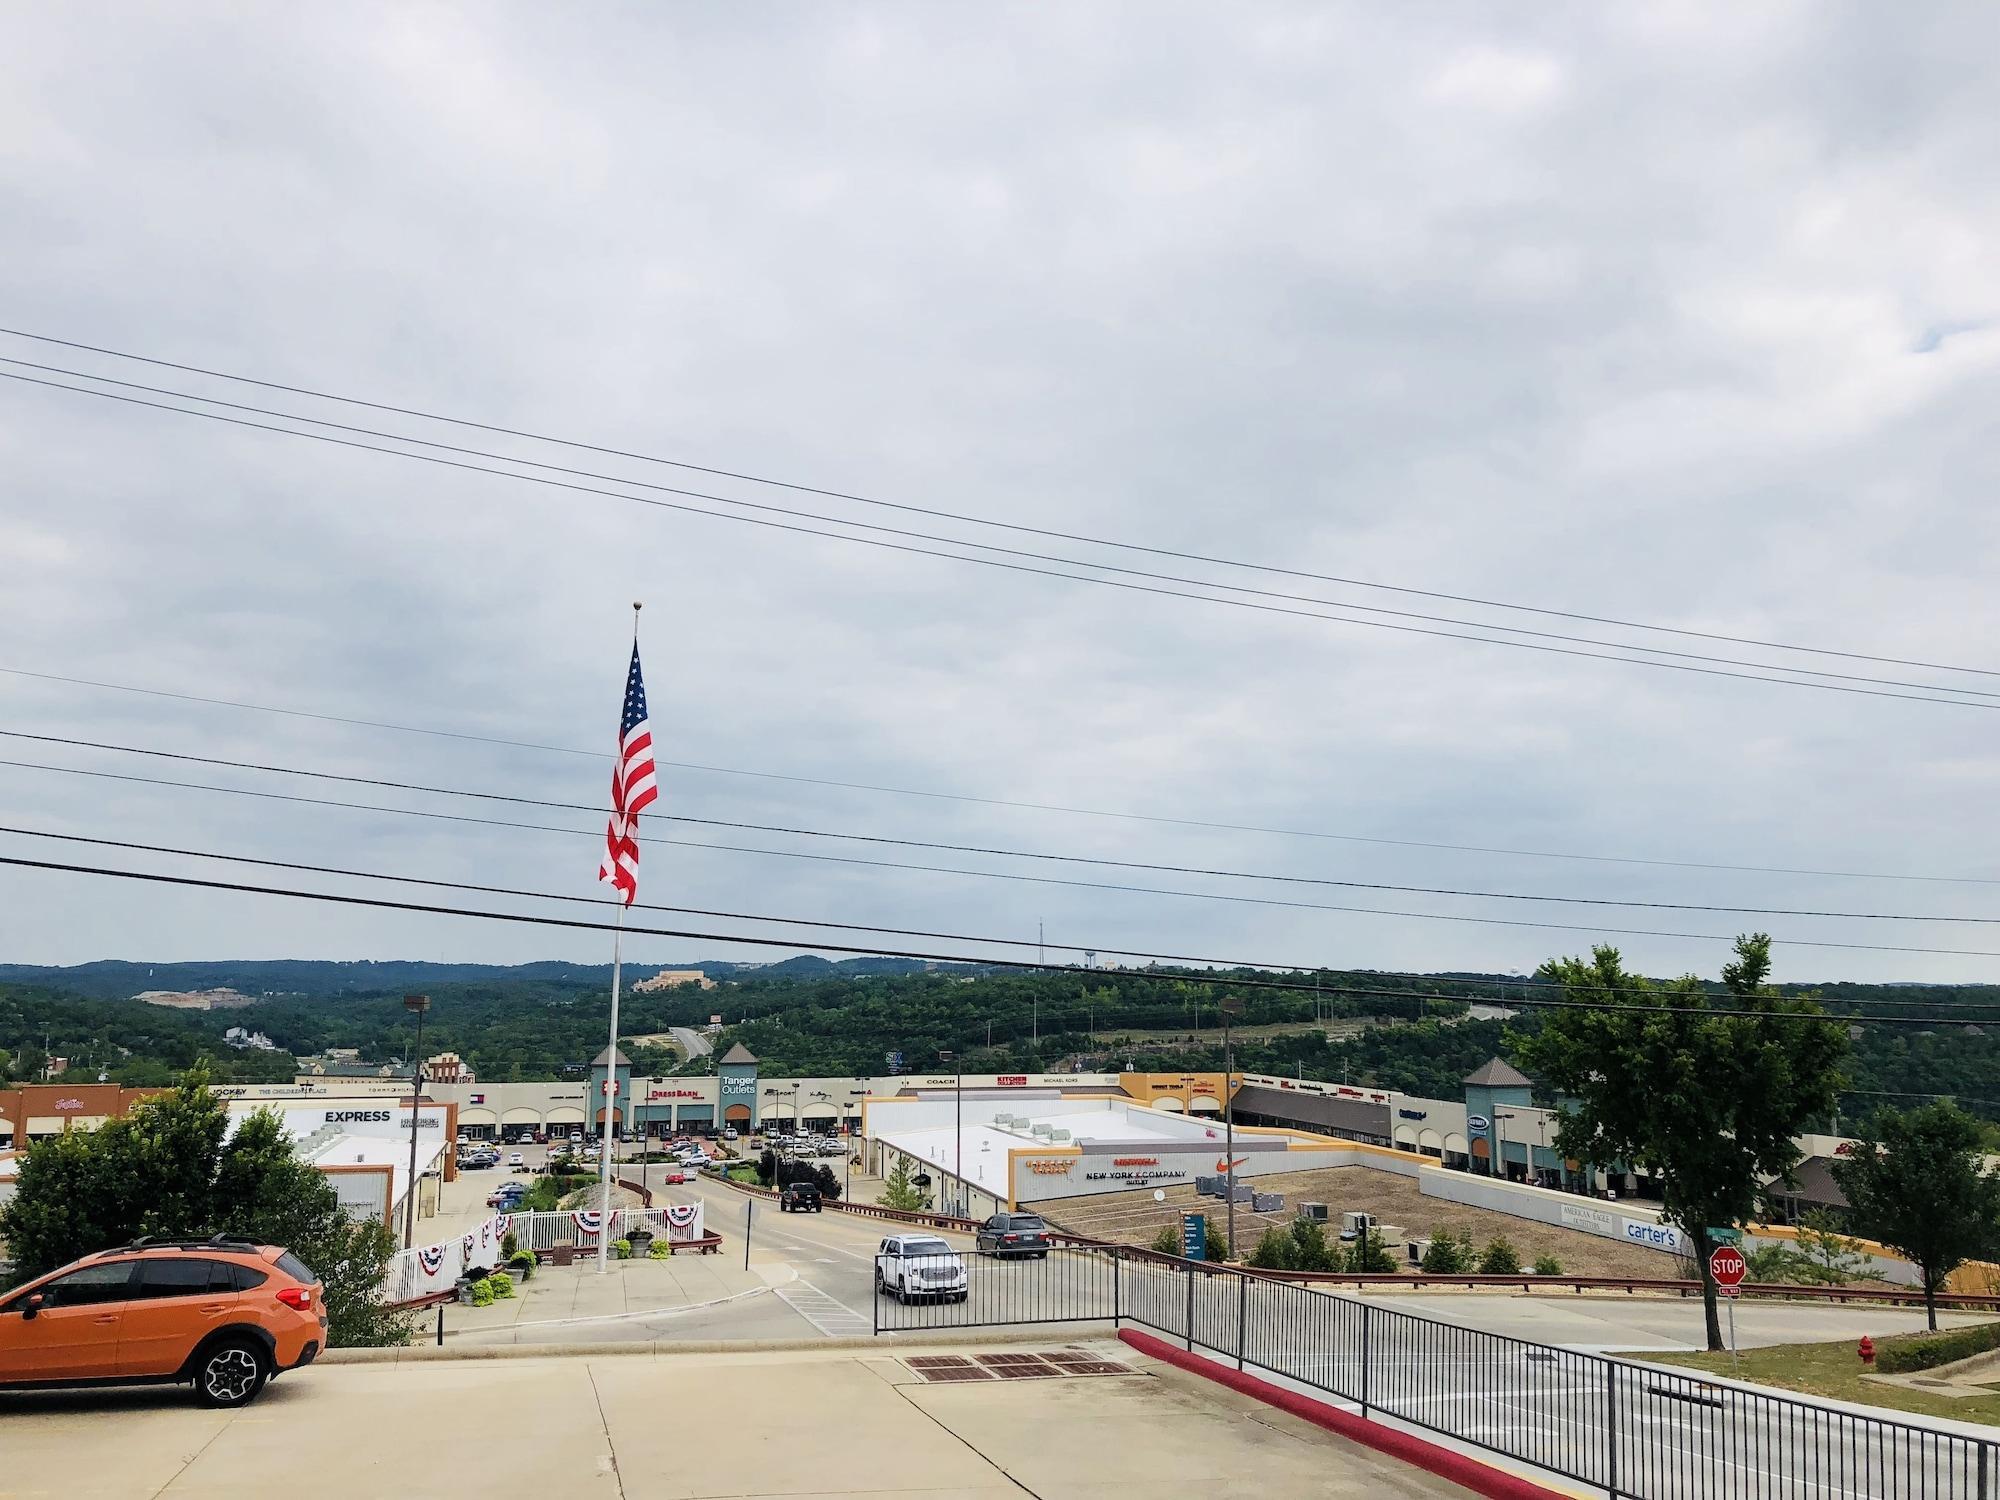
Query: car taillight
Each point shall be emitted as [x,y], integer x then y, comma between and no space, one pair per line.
[296,1296]
[1008,1239]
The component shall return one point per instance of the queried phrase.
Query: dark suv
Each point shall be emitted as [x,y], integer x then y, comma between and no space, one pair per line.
[1013,1234]
[799,1198]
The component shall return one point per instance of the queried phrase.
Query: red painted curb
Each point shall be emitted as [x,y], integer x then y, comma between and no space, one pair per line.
[1446,1463]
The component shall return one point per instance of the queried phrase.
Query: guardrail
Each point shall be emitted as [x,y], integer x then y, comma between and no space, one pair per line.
[1634,1431]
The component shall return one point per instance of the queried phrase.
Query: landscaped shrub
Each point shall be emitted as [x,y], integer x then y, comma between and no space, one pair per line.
[660,1250]
[482,1293]
[622,1249]
[522,1263]
[1446,1255]
[1929,1350]
[502,1284]
[509,1244]
[1500,1259]
[1274,1251]
[1167,1241]
[1547,1265]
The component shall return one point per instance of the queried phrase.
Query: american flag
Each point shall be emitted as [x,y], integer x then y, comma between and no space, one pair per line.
[633,788]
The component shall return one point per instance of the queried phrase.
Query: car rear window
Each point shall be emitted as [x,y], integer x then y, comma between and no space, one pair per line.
[295,1268]
[1027,1221]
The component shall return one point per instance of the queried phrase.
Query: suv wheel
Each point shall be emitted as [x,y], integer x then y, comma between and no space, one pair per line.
[230,1374]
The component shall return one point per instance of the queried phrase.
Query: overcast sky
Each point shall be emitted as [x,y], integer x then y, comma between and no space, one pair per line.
[1682,314]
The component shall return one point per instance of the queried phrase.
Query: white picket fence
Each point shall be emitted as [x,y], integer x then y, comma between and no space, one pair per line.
[431,1269]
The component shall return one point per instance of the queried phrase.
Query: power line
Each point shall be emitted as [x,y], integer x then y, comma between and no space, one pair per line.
[1095,861]
[297,866]
[964,518]
[1922,695]
[1050,807]
[1072,562]
[411,812]
[1232,981]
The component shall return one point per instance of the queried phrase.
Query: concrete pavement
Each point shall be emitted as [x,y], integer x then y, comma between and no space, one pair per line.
[645,1428]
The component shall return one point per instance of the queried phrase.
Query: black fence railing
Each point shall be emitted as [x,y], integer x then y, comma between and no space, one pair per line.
[1636,1432]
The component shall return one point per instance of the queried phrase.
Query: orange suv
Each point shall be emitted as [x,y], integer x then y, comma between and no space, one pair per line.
[226,1314]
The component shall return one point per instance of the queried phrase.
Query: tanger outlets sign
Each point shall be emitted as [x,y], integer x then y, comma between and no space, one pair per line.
[738,1087]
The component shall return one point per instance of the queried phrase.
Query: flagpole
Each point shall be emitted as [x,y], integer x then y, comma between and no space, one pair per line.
[611,1052]
[611,1083]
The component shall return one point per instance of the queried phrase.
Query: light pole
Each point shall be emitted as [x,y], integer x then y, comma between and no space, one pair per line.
[957,1126]
[417,1005]
[1231,1004]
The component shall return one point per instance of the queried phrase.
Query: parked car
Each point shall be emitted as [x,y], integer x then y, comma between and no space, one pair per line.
[729,1133]
[516,1159]
[225,1314]
[1013,1234]
[507,1197]
[799,1198]
[911,1266]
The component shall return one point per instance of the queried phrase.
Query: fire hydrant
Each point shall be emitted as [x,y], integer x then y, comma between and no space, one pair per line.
[1867,1350]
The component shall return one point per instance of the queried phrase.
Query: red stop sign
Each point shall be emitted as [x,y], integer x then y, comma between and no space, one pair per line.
[1728,1266]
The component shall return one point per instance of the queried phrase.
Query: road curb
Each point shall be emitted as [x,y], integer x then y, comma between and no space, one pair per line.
[889,1347]
[1446,1463]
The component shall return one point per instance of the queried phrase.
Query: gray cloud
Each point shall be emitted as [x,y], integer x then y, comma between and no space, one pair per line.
[1681,314]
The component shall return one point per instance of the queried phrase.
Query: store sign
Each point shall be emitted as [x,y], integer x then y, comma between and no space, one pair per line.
[1590,1220]
[675,1094]
[1135,1161]
[1654,1236]
[1011,1080]
[1042,1167]
[1414,1114]
[738,1087]
[70,1106]
[1476,1122]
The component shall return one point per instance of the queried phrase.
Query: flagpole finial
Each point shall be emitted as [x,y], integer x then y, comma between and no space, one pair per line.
[636,607]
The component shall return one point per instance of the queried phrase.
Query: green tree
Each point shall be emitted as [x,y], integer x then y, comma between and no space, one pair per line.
[1167,1241]
[1216,1241]
[898,1191]
[1547,1265]
[1685,1084]
[1444,1256]
[1772,1263]
[1919,1188]
[1274,1251]
[1310,1251]
[1827,1256]
[1500,1259]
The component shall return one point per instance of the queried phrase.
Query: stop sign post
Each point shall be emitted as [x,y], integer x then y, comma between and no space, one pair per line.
[1727,1265]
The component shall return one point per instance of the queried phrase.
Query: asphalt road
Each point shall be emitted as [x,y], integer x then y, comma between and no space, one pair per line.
[692,1041]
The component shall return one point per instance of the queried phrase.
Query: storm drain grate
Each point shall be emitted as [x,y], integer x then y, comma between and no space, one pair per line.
[956,1372]
[1012,1366]
[937,1361]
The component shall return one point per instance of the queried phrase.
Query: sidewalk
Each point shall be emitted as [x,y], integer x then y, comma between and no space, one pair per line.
[627,1288]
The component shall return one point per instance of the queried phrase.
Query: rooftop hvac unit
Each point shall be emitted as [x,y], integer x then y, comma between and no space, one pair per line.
[1058,1135]
[1418,1250]
[1045,1131]
[1207,1186]
[1354,1225]
[1314,1211]
[1267,1203]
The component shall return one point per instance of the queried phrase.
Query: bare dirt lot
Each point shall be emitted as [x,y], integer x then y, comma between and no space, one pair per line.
[1135,1218]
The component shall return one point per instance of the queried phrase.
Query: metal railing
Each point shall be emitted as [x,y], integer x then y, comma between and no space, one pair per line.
[1634,1431]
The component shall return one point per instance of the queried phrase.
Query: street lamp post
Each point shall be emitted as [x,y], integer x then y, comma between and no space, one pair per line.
[1231,1006]
[957,1126]
[417,1005]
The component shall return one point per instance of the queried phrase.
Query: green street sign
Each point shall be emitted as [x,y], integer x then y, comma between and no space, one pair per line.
[1726,1236]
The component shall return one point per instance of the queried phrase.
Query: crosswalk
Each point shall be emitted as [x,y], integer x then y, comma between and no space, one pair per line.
[829,1315]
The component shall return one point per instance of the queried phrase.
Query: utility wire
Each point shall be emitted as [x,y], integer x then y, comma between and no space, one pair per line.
[1071,562]
[964,518]
[788,830]
[1050,807]
[1230,981]
[1007,875]
[1923,695]
[960,937]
